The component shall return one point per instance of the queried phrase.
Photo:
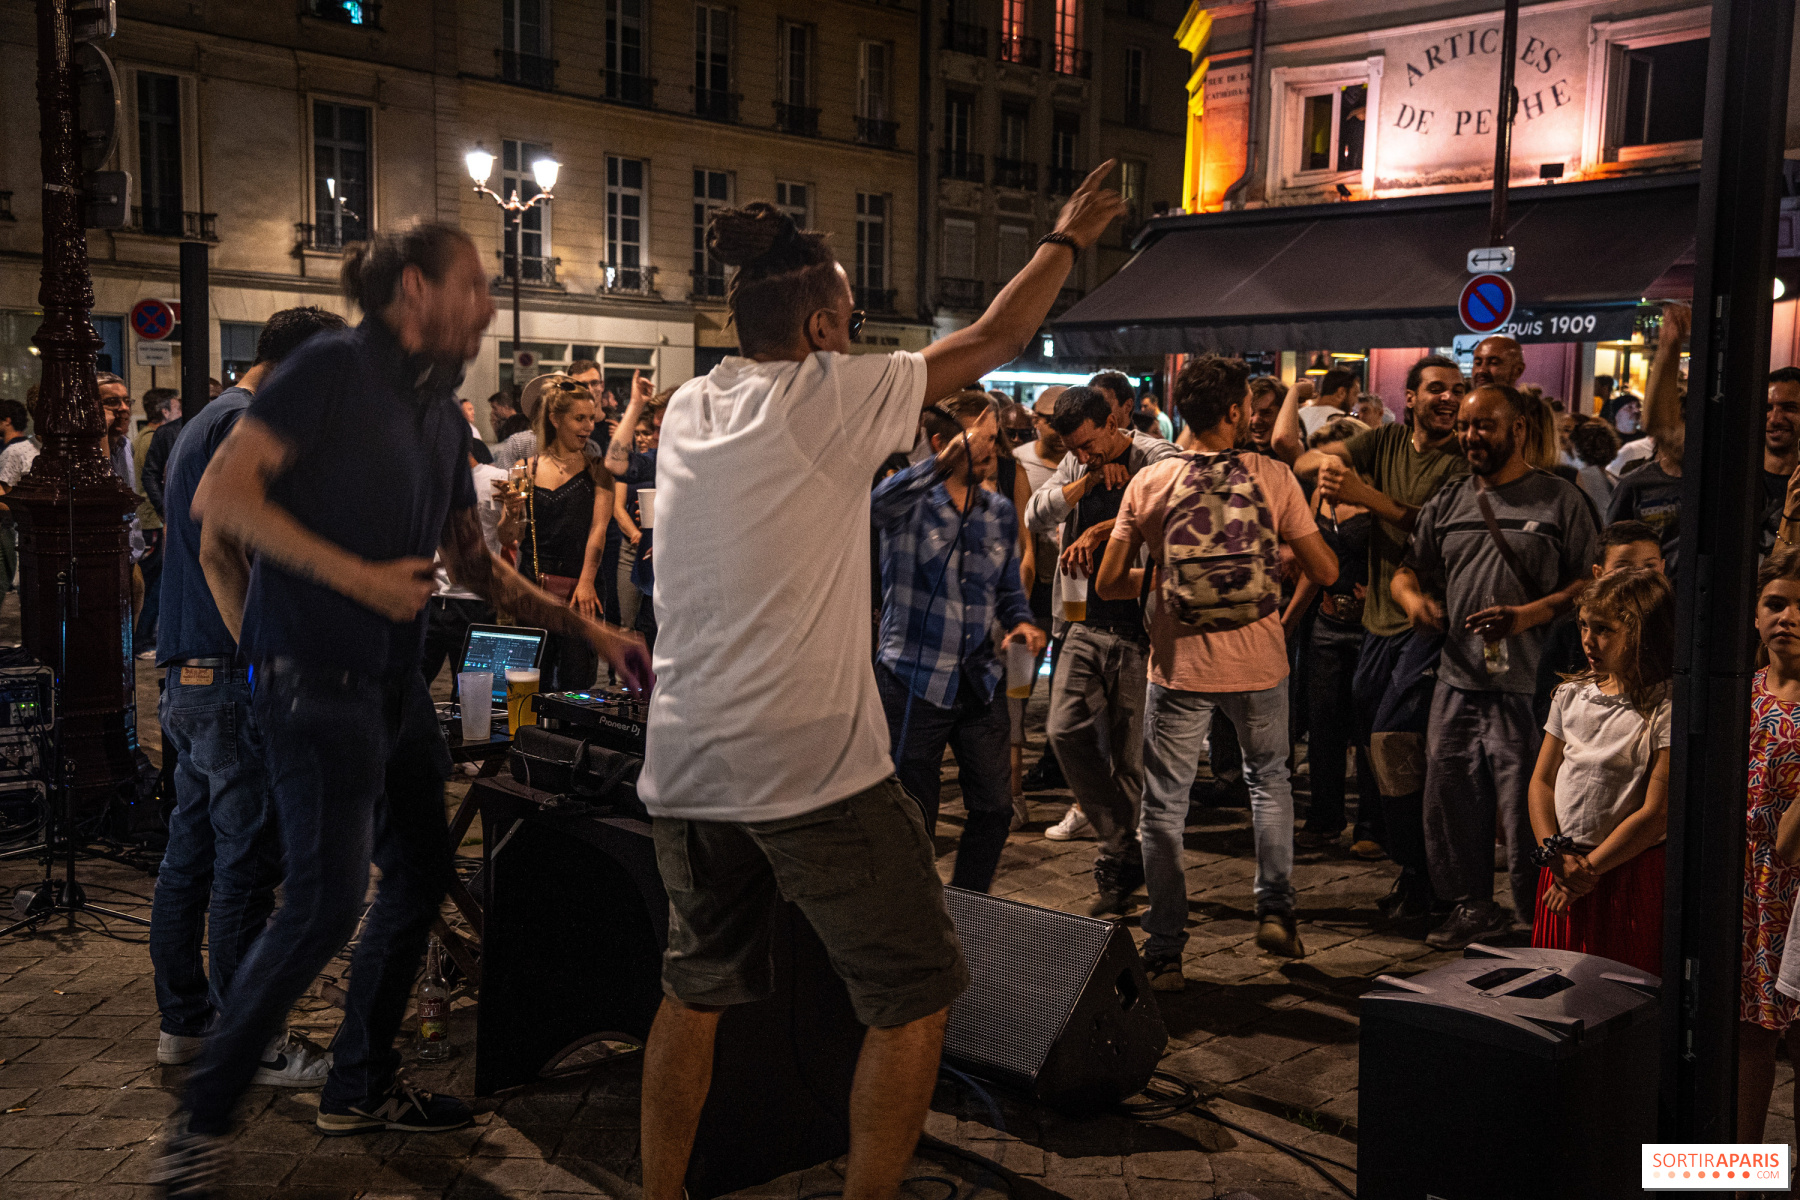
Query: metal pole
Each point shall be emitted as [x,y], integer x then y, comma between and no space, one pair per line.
[517,263]
[1746,117]
[196,328]
[1503,123]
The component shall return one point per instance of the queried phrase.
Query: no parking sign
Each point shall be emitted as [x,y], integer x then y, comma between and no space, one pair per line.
[1486,303]
[153,320]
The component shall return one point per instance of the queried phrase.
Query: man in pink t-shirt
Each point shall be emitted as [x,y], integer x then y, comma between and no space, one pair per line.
[1242,672]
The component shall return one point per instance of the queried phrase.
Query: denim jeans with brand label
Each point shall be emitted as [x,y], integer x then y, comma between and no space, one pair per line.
[1175,727]
[356,767]
[217,879]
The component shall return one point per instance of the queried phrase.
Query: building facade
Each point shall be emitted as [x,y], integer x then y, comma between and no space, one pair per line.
[279,133]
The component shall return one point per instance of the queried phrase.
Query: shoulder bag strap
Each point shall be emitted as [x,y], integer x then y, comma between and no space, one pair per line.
[1506,552]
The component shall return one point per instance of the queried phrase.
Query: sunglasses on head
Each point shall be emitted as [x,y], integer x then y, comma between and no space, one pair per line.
[857,317]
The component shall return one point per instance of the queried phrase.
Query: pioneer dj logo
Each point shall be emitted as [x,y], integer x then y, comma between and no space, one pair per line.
[1717,1167]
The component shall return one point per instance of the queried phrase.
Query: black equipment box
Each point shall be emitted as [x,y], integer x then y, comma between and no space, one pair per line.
[1516,1072]
[27,712]
[613,719]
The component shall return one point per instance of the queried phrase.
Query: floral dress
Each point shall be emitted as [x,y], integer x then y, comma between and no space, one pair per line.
[1769,884]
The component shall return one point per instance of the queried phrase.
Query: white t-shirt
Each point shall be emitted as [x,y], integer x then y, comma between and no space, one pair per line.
[1037,471]
[765,703]
[487,511]
[1608,749]
[1315,417]
[1630,452]
[16,460]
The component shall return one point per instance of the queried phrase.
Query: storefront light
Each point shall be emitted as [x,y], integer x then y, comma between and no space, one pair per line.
[1058,377]
[1780,288]
[1339,356]
[1320,364]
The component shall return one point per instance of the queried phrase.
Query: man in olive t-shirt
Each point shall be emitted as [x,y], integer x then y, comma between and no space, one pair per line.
[1393,471]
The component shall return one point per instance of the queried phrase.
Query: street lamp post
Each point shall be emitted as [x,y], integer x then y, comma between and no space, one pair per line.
[544,170]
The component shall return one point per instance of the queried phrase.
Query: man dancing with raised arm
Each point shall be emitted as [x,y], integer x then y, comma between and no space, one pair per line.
[768,770]
[348,470]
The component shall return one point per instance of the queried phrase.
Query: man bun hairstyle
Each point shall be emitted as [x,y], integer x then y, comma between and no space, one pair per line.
[1078,404]
[784,273]
[372,269]
[290,327]
[1206,388]
[1415,377]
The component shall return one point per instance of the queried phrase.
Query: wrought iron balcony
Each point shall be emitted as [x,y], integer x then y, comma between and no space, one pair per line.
[875,300]
[366,14]
[707,285]
[526,70]
[883,134]
[965,38]
[639,282]
[533,271]
[960,164]
[1064,180]
[175,223]
[716,106]
[1013,173]
[1070,61]
[627,88]
[960,293]
[797,119]
[1025,51]
[328,237]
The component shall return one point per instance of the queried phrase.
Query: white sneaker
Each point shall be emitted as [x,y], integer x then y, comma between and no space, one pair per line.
[1074,824]
[172,1049]
[292,1061]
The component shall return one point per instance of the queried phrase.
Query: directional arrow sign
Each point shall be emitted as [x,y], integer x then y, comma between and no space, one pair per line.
[1483,259]
[1486,303]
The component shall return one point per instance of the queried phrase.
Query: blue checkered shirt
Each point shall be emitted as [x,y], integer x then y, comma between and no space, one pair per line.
[931,647]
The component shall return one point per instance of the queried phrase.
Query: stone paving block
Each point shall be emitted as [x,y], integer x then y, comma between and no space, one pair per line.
[601,1145]
[31,1075]
[10,1158]
[136,1102]
[23,1131]
[65,1101]
[262,1170]
[269,1135]
[29,1023]
[502,1140]
[501,1176]
[62,1050]
[1088,1187]
[1217,1062]
[1056,1166]
[103,1074]
[129,1006]
[67,1002]
[66,1166]
[108,1133]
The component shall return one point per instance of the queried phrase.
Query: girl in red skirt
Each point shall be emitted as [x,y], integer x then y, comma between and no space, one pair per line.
[1600,791]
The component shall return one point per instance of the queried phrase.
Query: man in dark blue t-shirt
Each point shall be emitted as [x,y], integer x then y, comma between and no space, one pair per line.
[223,857]
[348,471]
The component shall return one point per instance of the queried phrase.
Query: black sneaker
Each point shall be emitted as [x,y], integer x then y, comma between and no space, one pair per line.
[1409,900]
[1115,880]
[1045,776]
[1165,974]
[190,1163]
[403,1108]
[1472,921]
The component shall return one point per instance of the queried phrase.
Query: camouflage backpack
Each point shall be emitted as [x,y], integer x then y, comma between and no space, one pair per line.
[1220,555]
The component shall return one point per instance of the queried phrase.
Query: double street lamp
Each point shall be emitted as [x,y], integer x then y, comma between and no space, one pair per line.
[544,171]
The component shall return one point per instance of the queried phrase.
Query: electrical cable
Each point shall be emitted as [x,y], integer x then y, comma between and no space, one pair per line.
[981,1093]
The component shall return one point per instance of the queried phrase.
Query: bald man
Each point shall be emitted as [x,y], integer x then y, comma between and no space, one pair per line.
[1498,360]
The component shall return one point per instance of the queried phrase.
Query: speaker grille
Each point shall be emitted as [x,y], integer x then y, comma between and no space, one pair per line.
[1027,967]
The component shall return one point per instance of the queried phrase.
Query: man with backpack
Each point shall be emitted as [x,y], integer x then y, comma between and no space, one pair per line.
[1097,694]
[1214,520]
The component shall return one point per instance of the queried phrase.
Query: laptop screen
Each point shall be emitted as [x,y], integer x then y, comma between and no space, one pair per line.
[498,648]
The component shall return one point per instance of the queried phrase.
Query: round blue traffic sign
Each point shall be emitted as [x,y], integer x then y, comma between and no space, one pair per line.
[152,320]
[1486,303]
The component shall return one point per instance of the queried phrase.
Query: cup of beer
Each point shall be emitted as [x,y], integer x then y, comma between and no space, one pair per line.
[1019,660]
[1074,597]
[475,691]
[518,479]
[647,508]
[521,686]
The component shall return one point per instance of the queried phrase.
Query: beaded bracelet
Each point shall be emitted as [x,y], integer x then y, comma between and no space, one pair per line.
[1547,853]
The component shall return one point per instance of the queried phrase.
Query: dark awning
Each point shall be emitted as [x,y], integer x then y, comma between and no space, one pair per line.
[1387,272]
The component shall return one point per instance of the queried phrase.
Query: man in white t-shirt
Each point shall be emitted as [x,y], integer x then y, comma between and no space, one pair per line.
[767,771]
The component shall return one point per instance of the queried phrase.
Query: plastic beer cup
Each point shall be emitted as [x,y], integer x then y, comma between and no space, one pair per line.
[521,686]
[476,691]
[1074,595]
[1019,660]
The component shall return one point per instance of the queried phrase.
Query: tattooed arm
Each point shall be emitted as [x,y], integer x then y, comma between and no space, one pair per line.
[232,504]
[471,564]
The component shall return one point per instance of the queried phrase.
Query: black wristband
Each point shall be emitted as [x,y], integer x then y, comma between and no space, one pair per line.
[1058,238]
[1557,844]
[1788,516]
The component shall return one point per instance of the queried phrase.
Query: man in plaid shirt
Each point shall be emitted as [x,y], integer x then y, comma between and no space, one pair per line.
[949,578]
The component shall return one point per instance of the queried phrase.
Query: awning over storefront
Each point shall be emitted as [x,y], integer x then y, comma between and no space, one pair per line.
[1388,272]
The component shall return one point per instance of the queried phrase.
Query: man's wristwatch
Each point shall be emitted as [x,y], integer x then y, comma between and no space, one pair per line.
[1058,238]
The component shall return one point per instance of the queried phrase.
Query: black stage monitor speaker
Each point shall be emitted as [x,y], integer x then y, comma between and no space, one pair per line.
[1058,1005]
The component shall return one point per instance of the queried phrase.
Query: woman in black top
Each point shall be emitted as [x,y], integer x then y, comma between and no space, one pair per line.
[567,510]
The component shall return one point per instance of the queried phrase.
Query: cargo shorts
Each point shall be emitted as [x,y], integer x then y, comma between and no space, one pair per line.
[862,870]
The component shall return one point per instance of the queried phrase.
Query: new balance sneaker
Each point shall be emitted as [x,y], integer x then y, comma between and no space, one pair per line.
[1165,974]
[1276,933]
[174,1049]
[1074,824]
[1472,921]
[292,1061]
[190,1162]
[402,1108]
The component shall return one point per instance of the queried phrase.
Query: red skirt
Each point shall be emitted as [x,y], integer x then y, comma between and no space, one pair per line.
[1621,919]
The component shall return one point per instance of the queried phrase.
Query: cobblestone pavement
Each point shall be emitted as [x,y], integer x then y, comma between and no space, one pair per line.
[1270,1042]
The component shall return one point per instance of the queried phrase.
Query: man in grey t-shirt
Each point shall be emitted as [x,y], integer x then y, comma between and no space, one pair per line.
[1496,608]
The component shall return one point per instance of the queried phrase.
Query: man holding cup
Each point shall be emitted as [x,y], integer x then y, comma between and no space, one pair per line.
[949,568]
[1095,726]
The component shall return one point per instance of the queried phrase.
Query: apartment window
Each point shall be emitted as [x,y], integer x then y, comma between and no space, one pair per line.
[959,248]
[625,79]
[1071,59]
[529,239]
[237,348]
[1136,99]
[1658,94]
[871,252]
[792,199]
[1331,127]
[872,71]
[1015,46]
[341,211]
[1131,191]
[1065,133]
[712,63]
[625,225]
[159,153]
[959,115]
[1010,168]
[1014,243]
[796,64]
[712,191]
[525,43]
[1012,132]
[1012,19]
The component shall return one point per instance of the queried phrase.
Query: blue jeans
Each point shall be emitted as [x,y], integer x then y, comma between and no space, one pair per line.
[223,859]
[1175,727]
[357,768]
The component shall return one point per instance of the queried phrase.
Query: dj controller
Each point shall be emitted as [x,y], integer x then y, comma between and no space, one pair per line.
[606,717]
